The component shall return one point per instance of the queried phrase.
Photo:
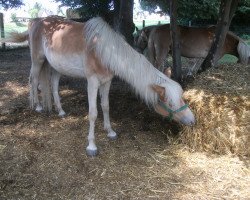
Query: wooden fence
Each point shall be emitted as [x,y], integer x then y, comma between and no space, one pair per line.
[2,30]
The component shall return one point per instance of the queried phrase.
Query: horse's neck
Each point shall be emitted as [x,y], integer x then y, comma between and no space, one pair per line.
[231,44]
[140,76]
[122,59]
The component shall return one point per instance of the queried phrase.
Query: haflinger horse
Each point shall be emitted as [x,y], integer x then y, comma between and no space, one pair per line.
[92,50]
[141,38]
[194,43]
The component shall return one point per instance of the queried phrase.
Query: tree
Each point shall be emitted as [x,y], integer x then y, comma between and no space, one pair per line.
[89,8]
[242,14]
[34,12]
[119,13]
[227,10]
[125,19]
[6,4]
[199,10]
[177,70]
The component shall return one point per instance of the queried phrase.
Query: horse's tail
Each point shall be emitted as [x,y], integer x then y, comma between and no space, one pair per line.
[45,83]
[16,37]
[244,52]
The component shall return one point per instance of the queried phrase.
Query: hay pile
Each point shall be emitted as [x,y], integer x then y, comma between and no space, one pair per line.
[220,100]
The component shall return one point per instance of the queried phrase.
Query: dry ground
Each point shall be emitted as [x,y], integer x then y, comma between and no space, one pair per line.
[43,156]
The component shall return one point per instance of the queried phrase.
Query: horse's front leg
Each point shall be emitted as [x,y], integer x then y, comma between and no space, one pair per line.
[104,93]
[93,84]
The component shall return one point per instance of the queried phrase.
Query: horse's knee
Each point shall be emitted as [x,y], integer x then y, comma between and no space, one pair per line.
[105,107]
[92,114]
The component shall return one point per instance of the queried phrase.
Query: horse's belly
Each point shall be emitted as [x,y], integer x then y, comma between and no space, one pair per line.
[70,65]
[189,53]
[192,49]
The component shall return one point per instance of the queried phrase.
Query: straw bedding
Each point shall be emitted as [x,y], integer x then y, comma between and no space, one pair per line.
[220,99]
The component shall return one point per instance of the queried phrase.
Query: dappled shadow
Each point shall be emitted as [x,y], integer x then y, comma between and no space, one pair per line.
[43,156]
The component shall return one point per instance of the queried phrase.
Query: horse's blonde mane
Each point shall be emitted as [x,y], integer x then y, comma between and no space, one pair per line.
[125,62]
[244,52]
[243,48]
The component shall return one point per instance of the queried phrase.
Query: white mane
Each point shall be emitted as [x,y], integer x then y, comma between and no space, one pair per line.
[244,52]
[126,63]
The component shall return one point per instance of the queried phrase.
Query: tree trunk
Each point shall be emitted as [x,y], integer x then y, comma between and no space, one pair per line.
[227,9]
[174,31]
[124,23]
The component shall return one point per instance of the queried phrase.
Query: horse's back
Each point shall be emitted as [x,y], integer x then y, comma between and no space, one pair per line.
[196,41]
[60,42]
[59,34]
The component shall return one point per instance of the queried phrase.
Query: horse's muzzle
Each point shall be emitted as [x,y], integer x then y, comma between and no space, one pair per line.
[188,121]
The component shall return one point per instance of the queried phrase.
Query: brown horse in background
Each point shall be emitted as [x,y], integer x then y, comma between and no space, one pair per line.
[141,38]
[195,43]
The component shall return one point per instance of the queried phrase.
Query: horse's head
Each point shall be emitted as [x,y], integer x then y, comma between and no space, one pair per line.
[140,40]
[171,104]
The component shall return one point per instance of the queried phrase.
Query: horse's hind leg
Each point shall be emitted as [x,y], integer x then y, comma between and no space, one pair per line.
[34,81]
[104,93]
[55,77]
[93,84]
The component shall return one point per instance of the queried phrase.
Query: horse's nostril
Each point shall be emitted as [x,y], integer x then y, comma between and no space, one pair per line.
[187,121]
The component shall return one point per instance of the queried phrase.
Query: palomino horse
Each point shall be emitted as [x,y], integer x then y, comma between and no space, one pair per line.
[92,50]
[195,43]
[141,38]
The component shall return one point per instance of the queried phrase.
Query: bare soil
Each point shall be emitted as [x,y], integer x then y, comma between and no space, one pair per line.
[42,156]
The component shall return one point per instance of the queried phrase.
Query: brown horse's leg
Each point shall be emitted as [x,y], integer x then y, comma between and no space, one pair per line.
[151,51]
[161,55]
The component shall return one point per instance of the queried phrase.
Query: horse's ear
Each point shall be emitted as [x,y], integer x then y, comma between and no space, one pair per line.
[136,29]
[143,33]
[160,91]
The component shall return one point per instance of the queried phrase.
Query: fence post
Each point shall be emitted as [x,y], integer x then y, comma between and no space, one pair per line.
[143,23]
[2,29]
[190,23]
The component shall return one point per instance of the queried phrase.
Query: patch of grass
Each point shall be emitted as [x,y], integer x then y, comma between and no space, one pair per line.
[15,26]
[228,59]
[138,24]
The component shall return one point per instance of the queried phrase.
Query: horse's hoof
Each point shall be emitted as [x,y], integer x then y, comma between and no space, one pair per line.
[62,114]
[112,135]
[39,108]
[91,152]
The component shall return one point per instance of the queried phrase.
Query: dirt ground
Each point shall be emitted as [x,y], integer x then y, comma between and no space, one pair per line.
[43,156]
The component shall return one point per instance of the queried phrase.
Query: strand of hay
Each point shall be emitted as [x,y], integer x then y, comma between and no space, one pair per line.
[220,100]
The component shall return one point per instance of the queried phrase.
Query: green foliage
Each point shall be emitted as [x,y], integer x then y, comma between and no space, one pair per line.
[13,17]
[199,9]
[187,10]
[242,15]
[89,8]
[34,12]
[6,4]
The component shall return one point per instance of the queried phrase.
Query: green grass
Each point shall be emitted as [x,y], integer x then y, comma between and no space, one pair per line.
[19,27]
[138,24]
[228,59]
